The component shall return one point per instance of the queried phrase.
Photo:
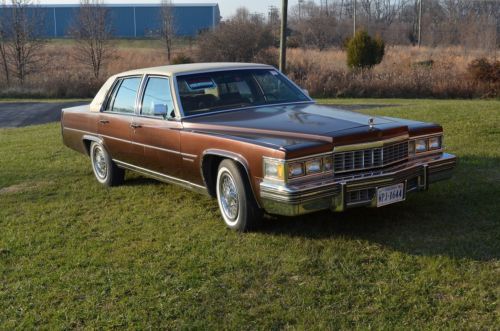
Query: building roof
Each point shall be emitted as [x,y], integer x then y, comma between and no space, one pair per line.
[126,4]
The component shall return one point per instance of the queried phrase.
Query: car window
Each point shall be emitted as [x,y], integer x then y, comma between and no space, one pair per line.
[157,96]
[124,95]
[232,89]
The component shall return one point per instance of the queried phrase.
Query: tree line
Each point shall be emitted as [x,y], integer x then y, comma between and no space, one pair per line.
[22,32]
[325,23]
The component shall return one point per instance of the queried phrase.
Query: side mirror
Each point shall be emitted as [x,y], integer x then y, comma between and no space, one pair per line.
[306,92]
[160,109]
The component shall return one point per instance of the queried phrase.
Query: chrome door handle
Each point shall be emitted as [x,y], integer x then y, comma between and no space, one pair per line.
[104,121]
[135,125]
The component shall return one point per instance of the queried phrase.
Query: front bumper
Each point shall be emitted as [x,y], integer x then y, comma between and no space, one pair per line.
[340,193]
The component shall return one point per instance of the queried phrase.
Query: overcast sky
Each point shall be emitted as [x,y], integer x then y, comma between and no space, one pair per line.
[227,7]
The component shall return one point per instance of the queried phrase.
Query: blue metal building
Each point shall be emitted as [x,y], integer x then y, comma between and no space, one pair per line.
[134,20]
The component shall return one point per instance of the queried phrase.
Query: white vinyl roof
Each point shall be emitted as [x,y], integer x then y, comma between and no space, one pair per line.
[192,67]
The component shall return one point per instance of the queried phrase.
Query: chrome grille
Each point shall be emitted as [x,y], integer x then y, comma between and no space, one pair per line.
[369,158]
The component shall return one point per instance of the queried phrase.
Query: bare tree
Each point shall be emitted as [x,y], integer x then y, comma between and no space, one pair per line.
[3,42]
[22,24]
[168,30]
[92,30]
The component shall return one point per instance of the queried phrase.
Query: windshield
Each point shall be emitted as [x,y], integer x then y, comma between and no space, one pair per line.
[213,91]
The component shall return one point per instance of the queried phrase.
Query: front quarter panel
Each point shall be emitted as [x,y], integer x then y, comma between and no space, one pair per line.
[196,145]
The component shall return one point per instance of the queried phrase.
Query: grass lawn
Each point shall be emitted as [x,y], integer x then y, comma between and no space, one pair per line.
[150,255]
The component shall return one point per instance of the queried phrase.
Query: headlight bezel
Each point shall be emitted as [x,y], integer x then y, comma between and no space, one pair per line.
[325,161]
[428,143]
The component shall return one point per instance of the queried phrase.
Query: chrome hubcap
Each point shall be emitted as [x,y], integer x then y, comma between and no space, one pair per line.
[100,166]
[228,197]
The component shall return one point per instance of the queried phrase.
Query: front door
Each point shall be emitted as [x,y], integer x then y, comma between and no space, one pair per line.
[157,128]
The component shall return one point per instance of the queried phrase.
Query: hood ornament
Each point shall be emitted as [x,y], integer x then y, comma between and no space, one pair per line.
[371,122]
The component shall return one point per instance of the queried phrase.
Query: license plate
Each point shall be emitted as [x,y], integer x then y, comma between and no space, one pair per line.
[390,194]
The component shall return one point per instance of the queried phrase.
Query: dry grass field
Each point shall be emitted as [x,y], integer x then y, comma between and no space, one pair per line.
[405,71]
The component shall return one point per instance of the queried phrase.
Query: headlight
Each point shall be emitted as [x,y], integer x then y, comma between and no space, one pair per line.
[421,145]
[283,170]
[295,169]
[274,169]
[434,143]
[313,166]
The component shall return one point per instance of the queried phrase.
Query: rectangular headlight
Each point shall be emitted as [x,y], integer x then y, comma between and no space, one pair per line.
[295,169]
[313,166]
[274,169]
[421,145]
[434,143]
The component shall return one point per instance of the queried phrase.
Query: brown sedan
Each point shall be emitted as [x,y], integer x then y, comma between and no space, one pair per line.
[247,135]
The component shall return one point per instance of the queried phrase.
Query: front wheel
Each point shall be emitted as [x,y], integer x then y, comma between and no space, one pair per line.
[236,201]
[105,170]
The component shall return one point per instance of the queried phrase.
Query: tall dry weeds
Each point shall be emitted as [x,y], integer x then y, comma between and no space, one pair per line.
[405,71]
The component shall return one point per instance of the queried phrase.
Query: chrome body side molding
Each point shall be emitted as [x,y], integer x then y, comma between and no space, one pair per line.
[163,177]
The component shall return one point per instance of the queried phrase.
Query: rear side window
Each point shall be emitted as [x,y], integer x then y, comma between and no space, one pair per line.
[122,99]
[157,97]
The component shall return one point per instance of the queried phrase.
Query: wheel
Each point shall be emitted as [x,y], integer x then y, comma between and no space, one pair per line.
[236,200]
[105,170]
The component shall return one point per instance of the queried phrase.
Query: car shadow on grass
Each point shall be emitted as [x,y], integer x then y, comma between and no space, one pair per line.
[457,218]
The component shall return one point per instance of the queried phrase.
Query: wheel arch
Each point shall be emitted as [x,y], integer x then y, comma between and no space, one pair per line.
[87,140]
[211,158]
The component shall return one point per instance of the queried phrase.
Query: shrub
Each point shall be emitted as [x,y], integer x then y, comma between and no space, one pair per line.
[364,51]
[484,71]
[237,40]
[181,59]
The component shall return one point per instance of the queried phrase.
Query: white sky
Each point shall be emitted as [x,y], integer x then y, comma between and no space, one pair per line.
[227,7]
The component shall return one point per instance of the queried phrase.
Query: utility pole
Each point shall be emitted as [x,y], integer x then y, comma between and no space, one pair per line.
[354,17]
[284,16]
[419,23]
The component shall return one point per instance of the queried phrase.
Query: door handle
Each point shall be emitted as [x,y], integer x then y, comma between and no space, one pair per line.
[103,121]
[135,125]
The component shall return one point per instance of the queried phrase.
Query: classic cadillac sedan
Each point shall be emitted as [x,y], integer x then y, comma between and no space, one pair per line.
[248,136]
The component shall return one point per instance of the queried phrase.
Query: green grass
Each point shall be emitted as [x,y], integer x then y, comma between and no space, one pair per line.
[149,255]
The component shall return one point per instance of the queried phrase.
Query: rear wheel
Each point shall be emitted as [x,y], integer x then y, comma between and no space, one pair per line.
[236,201]
[105,170]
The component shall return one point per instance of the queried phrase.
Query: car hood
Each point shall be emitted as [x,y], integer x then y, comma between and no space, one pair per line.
[286,125]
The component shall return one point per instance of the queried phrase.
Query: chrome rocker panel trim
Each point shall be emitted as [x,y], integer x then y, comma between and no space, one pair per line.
[162,177]
[331,193]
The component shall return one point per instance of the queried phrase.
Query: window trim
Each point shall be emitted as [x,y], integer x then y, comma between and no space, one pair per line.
[144,84]
[119,80]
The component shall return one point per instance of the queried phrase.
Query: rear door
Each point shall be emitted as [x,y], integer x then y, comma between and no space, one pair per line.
[157,129]
[116,120]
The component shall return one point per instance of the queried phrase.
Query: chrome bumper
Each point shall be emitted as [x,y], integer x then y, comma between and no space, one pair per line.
[340,193]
